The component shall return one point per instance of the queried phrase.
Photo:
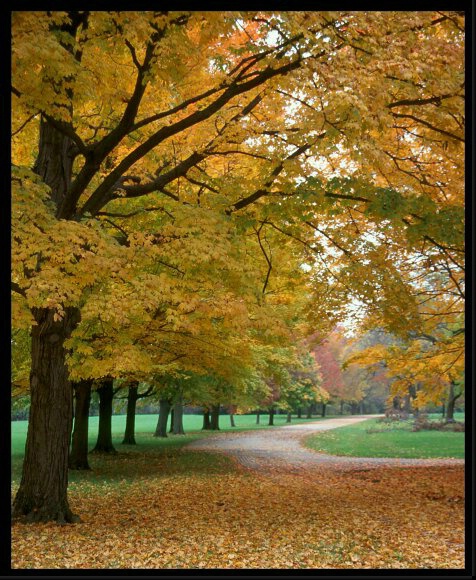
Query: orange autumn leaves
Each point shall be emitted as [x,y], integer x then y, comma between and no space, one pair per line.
[238,520]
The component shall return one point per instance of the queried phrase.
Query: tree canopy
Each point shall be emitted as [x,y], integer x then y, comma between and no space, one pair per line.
[198,192]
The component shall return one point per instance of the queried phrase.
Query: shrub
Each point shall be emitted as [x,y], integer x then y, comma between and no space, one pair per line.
[394,415]
[422,423]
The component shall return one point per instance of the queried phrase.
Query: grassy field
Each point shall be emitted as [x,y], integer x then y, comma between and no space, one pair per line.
[124,465]
[373,438]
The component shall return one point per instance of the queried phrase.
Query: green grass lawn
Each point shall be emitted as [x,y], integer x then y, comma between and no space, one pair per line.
[146,424]
[373,438]
[136,460]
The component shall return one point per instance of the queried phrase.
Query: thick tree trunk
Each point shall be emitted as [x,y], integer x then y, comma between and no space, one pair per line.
[130,431]
[271,416]
[288,417]
[443,410]
[299,413]
[178,419]
[324,407]
[78,456]
[172,419]
[215,418]
[206,419]
[104,440]
[232,420]
[42,495]
[450,408]
[164,410]
[258,412]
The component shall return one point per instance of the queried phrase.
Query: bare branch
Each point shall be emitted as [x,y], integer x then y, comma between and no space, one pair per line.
[30,118]
[429,125]
[267,258]
[333,242]
[430,100]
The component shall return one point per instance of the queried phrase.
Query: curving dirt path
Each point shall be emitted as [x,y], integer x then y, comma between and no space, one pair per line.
[280,449]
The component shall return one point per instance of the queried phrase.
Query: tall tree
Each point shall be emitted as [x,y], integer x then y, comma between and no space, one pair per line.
[132,168]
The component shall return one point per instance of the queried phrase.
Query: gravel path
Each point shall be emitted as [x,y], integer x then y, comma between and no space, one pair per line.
[271,450]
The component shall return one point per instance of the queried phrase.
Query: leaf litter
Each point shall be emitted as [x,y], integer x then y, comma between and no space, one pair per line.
[321,518]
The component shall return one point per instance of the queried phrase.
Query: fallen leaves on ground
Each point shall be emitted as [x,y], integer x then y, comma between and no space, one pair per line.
[377,518]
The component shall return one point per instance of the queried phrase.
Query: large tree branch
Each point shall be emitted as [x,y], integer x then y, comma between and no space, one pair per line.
[164,179]
[101,195]
[95,154]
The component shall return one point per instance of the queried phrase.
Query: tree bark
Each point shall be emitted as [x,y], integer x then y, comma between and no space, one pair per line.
[324,407]
[178,419]
[164,410]
[104,440]
[271,416]
[232,420]
[289,416]
[443,410]
[42,495]
[78,456]
[450,407]
[299,413]
[342,407]
[206,419]
[215,418]
[172,419]
[132,397]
